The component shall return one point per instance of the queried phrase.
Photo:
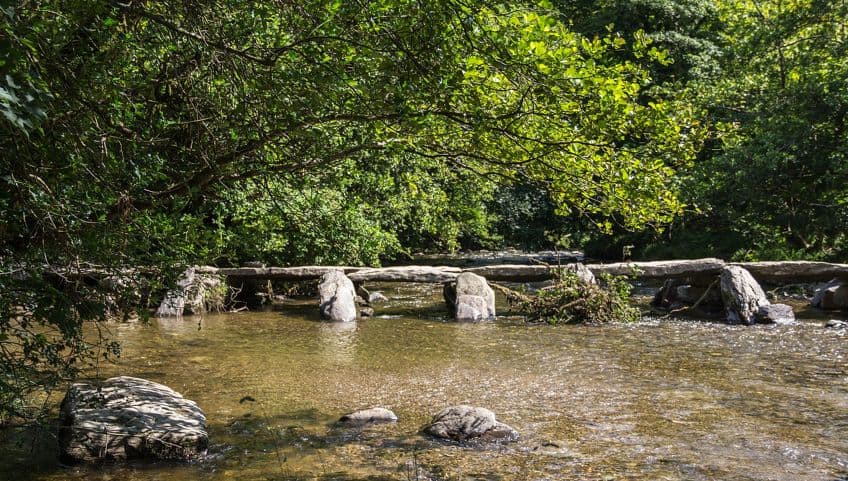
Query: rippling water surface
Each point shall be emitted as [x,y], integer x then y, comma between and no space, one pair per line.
[657,400]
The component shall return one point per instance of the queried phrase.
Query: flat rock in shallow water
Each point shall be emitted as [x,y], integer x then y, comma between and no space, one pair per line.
[775,314]
[129,418]
[836,324]
[463,423]
[369,416]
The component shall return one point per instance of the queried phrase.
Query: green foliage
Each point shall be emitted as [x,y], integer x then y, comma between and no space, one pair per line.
[685,31]
[319,131]
[41,338]
[572,301]
[775,173]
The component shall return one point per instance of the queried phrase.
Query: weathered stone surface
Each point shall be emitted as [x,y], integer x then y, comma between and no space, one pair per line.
[428,274]
[199,290]
[778,272]
[462,423]
[475,300]
[302,273]
[836,324]
[129,418]
[772,272]
[742,295]
[660,269]
[513,273]
[377,297]
[369,416]
[775,314]
[366,312]
[831,296]
[473,308]
[337,297]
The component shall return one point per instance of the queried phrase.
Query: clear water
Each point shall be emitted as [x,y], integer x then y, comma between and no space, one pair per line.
[657,400]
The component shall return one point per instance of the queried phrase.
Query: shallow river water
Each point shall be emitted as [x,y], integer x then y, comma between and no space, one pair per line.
[656,400]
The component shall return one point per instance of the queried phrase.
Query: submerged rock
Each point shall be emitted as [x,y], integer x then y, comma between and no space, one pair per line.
[742,295]
[775,314]
[129,418]
[831,296]
[368,416]
[337,297]
[462,423]
[836,324]
[475,300]
[377,297]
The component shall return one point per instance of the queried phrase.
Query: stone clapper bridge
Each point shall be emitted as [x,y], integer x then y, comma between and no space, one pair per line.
[698,272]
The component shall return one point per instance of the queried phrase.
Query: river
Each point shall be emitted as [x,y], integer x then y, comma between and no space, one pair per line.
[654,400]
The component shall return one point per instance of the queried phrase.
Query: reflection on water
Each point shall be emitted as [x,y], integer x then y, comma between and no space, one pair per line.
[337,342]
[652,401]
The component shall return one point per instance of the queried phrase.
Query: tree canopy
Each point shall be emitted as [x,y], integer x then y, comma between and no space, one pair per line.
[161,134]
[139,133]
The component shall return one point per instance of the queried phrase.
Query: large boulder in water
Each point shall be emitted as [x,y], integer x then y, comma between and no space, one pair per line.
[475,300]
[462,423]
[833,295]
[337,297]
[129,418]
[742,295]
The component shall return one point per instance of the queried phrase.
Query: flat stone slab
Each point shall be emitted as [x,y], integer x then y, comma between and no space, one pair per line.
[513,273]
[369,416]
[428,274]
[660,269]
[129,418]
[283,273]
[463,423]
[795,271]
[770,272]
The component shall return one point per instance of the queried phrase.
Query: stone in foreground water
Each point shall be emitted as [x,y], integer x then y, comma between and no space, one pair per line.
[462,423]
[129,418]
[368,416]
